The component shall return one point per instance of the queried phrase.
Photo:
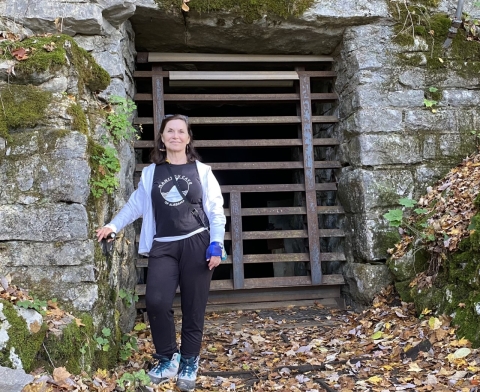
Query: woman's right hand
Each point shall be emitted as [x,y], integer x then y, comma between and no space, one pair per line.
[103,232]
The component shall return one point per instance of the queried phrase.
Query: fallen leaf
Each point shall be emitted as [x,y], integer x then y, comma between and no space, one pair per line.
[20,54]
[413,367]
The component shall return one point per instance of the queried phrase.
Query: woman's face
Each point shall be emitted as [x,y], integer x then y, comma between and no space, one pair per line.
[175,136]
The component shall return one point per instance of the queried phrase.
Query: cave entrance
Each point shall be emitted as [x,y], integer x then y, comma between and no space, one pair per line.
[264,124]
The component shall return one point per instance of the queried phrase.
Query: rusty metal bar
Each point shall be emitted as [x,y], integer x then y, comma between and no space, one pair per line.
[317,74]
[268,258]
[288,211]
[248,143]
[237,239]
[281,234]
[247,120]
[278,295]
[158,107]
[287,281]
[330,186]
[262,165]
[149,74]
[323,187]
[214,285]
[256,283]
[200,98]
[309,170]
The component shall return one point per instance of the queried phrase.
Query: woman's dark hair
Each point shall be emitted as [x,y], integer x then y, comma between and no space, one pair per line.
[158,156]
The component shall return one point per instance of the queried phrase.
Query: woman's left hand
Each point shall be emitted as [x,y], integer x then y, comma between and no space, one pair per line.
[214,262]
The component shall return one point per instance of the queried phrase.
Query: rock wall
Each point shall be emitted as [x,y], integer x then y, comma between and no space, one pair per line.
[393,145]
[47,212]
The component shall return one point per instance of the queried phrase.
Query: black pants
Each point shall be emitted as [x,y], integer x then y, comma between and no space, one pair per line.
[171,264]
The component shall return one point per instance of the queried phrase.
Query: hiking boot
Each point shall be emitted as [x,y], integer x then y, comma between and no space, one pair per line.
[187,374]
[165,369]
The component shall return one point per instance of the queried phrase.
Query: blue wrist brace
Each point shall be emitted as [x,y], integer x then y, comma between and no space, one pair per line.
[216,249]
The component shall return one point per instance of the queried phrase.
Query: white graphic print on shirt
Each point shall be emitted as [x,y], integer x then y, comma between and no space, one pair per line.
[169,191]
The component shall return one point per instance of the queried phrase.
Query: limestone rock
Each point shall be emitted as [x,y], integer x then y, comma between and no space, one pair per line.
[369,236]
[318,31]
[408,266]
[33,319]
[37,254]
[48,222]
[366,280]
[364,190]
[117,11]
[13,380]
[79,18]
[376,150]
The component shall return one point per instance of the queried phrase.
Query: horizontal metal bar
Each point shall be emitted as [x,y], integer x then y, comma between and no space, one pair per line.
[149,74]
[286,211]
[159,57]
[281,234]
[326,186]
[268,258]
[246,120]
[261,283]
[322,187]
[233,75]
[200,98]
[261,165]
[228,300]
[247,143]
[287,97]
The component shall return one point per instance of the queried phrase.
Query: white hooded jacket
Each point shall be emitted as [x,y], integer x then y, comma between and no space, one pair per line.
[140,205]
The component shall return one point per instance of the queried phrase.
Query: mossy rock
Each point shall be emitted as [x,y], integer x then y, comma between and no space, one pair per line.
[248,9]
[79,119]
[73,348]
[463,57]
[385,240]
[24,106]
[62,51]
[408,266]
[25,343]
[456,289]
[404,290]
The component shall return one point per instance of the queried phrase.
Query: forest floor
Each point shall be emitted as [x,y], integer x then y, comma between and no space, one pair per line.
[310,348]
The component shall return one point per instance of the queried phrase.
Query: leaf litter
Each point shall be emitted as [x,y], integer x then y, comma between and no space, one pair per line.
[311,349]
[449,207]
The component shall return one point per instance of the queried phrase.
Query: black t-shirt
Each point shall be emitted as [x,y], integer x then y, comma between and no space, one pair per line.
[173,216]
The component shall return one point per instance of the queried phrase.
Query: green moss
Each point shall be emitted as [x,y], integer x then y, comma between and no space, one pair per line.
[65,51]
[250,10]
[23,106]
[386,240]
[79,119]
[413,59]
[428,297]
[415,20]
[467,320]
[74,348]
[404,290]
[104,164]
[26,344]
[409,266]
[434,95]
[90,73]
[458,281]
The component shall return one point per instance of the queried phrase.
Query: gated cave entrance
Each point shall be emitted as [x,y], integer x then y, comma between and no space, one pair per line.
[264,124]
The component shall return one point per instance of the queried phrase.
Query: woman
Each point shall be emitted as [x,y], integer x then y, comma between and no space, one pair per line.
[182,250]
